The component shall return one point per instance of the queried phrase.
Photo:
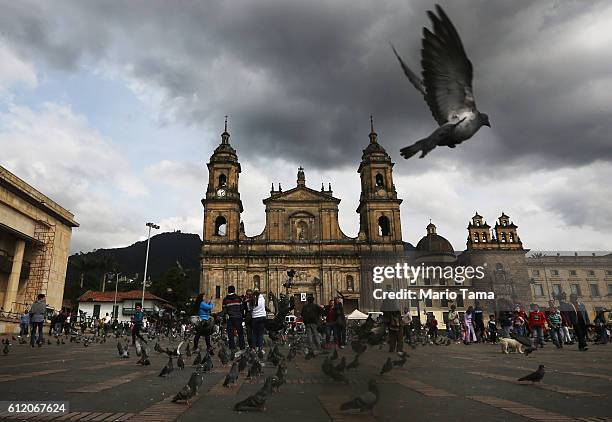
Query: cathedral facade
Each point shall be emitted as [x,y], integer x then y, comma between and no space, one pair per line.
[302,233]
[302,236]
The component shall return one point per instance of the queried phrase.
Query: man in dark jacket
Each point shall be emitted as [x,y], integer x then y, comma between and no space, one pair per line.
[311,314]
[37,319]
[577,316]
[233,308]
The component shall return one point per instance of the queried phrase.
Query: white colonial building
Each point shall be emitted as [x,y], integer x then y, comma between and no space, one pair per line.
[98,304]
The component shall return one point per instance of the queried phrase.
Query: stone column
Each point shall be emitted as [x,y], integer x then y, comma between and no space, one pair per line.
[13,281]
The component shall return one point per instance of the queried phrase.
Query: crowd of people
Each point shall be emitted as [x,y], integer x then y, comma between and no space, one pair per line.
[245,318]
[562,324]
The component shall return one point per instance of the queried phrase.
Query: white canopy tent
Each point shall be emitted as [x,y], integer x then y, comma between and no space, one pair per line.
[357,315]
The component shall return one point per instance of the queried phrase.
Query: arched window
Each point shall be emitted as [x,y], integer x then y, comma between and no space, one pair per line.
[380,180]
[475,237]
[511,237]
[384,227]
[503,237]
[350,283]
[222,179]
[484,237]
[220,226]
[256,282]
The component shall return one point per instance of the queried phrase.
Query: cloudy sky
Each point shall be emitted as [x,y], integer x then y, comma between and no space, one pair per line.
[113,109]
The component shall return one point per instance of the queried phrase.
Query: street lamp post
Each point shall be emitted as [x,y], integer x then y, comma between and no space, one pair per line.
[115,310]
[144,280]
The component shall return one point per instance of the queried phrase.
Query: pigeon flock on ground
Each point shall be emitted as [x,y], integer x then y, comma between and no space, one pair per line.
[252,364]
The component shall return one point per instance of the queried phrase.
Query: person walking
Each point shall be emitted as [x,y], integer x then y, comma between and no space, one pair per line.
[24,323]
[204,327]
[37,319]
[470,335]
[311,315]
[330,324]
[455,324]
[537,321]
[554,323]
[407,324]
[578,318]
[248,316]
[258,318]
[138,321]
[340,322]
[506,323]
[233,309]
[396,338]
[478,321]
[492,329]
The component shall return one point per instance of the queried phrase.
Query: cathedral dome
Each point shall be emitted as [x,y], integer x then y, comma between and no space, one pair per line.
[433,243]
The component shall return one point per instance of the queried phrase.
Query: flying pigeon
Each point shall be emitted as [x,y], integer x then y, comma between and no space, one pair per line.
[446,86]
[366,401]
[534,376]
[402,360]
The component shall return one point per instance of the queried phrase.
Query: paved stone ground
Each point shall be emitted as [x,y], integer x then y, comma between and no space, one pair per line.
[454,382]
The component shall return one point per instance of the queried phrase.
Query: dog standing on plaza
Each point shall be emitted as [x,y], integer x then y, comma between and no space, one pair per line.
[507,343]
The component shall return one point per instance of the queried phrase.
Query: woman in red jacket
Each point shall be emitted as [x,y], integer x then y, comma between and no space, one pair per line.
[537,320]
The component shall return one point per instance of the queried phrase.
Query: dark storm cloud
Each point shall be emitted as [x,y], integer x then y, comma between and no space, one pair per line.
[300,79]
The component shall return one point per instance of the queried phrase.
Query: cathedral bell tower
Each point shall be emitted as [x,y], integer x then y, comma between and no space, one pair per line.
[379,207]
[222,204]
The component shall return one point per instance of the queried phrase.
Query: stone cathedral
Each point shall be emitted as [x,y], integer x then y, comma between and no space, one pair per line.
[301,233]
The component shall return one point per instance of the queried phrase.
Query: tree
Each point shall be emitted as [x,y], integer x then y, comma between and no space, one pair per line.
[173,287]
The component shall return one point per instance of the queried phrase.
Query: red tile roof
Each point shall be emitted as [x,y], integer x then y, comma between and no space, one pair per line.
[93,296]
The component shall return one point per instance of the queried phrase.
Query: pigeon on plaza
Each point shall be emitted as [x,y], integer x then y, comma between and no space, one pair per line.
[530,350]
[292,353]
[354,363]
[224,356]
[402,360]
[366,401]
[358,347]
[242,362]
[58,341]
[330,370]
[521,339]
[168,369]
[125,352]
[207,363]
[255,370]
[387,367]
[158,348]
[534,376]
[191,388]
[334,355]
[446,86]
[232,376]
[5,349]
[180,362]
[342,365]
[185,394]
[309,354]
[198,359]
[144,358]
[281,376]
[257,401]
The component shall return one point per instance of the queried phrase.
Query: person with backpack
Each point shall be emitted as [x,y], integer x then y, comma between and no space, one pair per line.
[204,326]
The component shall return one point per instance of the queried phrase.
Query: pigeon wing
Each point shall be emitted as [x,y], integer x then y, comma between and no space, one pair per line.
[447,71]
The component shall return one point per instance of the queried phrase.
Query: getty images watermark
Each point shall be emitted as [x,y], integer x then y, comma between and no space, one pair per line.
[411,273]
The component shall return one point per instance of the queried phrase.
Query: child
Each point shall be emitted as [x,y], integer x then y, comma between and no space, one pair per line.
[492,329]
[537,321]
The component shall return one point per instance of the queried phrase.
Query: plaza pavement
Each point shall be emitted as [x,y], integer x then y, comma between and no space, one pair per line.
[453,382]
